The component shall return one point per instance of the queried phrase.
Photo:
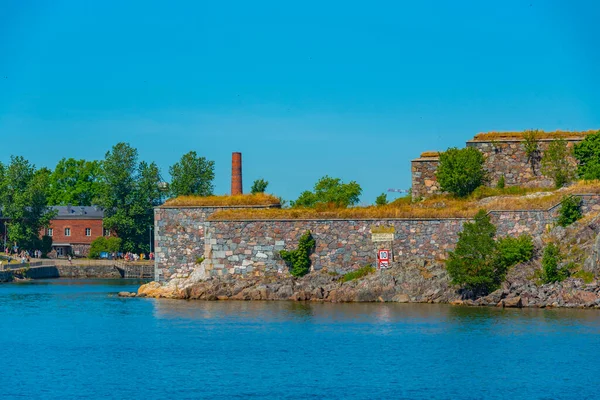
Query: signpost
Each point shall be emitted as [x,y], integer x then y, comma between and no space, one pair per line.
[383,258]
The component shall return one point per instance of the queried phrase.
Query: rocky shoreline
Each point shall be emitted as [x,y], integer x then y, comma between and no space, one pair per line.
[416,284]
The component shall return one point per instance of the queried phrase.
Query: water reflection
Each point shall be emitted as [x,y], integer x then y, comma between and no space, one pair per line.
[426,318]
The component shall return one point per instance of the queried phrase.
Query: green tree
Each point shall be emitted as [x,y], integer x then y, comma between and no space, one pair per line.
[330,191]
[381,200]
[298,260]
[23,201]
[129,192]
[556,163]
[104,244]
[460,171]
[511,251]
[587,153]
[570,210]
[531,145]
[472,263]
[259,186]
[551,269]
[75,182]
[192,175]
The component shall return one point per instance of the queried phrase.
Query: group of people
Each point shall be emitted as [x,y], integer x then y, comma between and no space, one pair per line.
[136,257]
[23,255]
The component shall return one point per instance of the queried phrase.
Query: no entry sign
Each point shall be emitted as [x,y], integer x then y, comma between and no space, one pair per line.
[383,258]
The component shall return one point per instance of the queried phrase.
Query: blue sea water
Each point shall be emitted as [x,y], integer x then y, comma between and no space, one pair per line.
[77,339]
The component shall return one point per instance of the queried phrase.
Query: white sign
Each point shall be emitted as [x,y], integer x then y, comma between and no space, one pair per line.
[382,237]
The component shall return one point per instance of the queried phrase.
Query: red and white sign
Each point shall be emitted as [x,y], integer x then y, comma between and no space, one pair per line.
[383,258]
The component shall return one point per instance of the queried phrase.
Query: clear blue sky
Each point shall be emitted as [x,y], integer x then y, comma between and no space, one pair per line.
[350,89]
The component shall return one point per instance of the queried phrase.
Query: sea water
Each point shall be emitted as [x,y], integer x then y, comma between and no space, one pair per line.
[77,339]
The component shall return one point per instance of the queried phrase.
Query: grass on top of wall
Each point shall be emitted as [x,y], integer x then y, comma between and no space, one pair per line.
[441,206]
[430,154]
[259,199]
[488,136]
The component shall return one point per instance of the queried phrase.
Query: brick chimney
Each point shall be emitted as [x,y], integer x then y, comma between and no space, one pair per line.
[236,173]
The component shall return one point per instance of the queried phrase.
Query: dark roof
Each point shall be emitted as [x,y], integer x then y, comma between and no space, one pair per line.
[78,212]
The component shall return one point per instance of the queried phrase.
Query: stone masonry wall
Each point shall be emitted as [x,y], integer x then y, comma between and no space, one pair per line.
[508,158]
[252,247]
[179,238]
[424,181]
[502,158]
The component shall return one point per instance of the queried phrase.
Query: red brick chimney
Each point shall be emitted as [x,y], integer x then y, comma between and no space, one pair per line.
[236,173]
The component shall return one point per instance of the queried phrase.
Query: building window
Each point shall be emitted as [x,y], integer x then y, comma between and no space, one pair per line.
[50,231]
[88,232]
[106,232]
[67,231]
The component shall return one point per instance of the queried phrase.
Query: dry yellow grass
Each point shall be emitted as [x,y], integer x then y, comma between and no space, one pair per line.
[539,134]
[442,206]
[259,199]
[429,154]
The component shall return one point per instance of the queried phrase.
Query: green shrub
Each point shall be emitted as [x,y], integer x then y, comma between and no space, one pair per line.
[472,263]
[551,270]
[570,210]
[501,183]
[104,244]
[511,251]
[586,276]
[461,171]
[259,186]
[199,260]
[298,261]
[587,153]
[359,273]
[381,200]
[556,164]
[330,191]
[531,145]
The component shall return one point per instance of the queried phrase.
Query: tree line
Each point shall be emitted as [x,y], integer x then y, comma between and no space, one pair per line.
[126,188]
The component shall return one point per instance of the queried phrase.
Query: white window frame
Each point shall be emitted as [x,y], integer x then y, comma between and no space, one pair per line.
[67,231]
[50,231]
[88,231]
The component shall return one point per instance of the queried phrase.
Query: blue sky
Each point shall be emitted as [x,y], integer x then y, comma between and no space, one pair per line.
[303,89]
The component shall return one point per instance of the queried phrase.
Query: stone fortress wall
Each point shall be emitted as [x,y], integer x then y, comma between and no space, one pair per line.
[503,157]
[252,247]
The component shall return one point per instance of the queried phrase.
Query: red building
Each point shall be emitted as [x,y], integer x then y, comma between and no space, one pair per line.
[74,228]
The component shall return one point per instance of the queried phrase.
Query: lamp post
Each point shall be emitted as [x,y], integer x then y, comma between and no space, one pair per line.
[150,227]
[5,234]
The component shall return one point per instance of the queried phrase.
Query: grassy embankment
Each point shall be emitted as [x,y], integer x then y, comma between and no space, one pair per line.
[441,206]
[539,134]
[259,199]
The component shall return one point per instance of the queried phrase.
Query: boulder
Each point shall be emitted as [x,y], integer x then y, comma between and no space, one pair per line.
[512,302]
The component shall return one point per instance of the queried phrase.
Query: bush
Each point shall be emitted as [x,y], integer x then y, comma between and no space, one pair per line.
[103,244]
[587,153]
[531,145]
[359,273]
[381,200]
[472,263]
[461,171]
[501,183]
[330,191]
[570,210]
[511,251]
[551,272]
[298,261]
[46,245]
[556,164]
[259,186]
[479,263]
